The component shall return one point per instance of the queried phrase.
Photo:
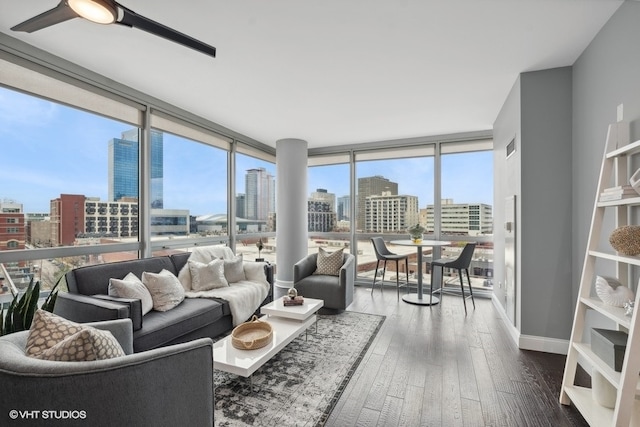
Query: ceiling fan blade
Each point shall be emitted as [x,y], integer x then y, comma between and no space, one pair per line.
[62,12]
[132,19]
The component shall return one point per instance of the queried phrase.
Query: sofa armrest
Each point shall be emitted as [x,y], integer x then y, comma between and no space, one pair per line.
[305,267]
[268,271]
[120,329]
[83,308]
[135,308]
[130,392]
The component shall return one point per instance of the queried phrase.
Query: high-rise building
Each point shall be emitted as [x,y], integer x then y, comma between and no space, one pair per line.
[371,186]
[260,194]
[471,219]
[322,195]
[344,208]
[321,211]
[390,213]
[67,219]
[241,204]
[78,216]
[123,167]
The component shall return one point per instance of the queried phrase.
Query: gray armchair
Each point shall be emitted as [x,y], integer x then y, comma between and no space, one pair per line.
[336,291]
[167,386]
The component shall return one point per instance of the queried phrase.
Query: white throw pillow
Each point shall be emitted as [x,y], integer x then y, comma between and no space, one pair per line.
[165,289]
[254,271]
[207,276]
[184,276]
[131,287]
[233,270]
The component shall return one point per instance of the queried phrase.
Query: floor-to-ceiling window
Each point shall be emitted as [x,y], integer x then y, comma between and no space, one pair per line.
[68,180]
[392,186]
[126,179]
[466,209]
[445,186]
[329,203]
[255,205]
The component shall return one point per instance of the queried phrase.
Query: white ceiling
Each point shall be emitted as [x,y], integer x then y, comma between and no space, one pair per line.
[332,71]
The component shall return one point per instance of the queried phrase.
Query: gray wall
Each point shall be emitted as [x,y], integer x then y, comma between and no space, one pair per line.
[538,113]
[605,75]
[554,179]
[545,228]
[507,183]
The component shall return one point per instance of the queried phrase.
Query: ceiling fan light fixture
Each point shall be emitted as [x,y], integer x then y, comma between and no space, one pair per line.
[99,11]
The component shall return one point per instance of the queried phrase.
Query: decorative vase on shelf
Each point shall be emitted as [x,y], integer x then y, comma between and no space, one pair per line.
[626,240]
[415,233]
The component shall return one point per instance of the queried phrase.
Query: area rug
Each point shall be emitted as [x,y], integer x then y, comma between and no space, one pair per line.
[301,384]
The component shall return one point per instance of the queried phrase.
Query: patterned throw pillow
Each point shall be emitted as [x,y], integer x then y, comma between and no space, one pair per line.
[233,270]
[131,287]
[329,263]
[52,337]
[165,289]
[207,276]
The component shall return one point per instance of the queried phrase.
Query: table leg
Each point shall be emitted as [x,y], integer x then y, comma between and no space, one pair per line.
[418,298]
[306,331]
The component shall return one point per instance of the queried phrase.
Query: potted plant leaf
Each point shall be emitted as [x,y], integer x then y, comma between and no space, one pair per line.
[22,308]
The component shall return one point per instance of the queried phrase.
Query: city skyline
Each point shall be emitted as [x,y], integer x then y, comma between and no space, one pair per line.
[55,149]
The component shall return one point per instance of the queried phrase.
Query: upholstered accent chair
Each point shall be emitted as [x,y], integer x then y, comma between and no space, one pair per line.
[167,386]
[335,291]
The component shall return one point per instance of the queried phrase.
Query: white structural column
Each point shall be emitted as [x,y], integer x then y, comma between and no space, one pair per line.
[291,209]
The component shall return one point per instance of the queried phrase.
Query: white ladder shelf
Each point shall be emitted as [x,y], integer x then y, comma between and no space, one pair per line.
[614,170]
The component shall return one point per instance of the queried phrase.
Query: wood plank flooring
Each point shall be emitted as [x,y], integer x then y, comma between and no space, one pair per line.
[436,367]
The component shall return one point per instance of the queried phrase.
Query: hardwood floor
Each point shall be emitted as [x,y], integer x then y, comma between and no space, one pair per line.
[436,367]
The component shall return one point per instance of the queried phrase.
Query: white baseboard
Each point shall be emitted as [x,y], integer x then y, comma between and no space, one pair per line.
[531,342]
[548,345]
[511,328]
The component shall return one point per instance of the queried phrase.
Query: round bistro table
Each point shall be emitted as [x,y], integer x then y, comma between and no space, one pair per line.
[417,298]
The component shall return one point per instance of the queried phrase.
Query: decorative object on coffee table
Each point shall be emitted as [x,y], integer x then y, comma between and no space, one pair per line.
[287,302]
[292,293]
[626,239]
[252,335]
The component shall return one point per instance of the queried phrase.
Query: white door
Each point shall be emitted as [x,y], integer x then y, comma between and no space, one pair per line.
[510,257]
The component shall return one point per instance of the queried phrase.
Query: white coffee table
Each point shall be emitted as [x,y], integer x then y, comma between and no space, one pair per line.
[287,323]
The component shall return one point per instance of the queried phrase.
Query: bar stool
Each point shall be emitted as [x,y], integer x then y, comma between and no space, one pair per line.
[383,254]
[461,263]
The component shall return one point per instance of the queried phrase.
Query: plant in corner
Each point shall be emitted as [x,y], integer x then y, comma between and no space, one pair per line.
[21,309]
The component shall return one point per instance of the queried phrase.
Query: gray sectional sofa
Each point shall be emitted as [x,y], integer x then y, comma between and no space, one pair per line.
[88,301]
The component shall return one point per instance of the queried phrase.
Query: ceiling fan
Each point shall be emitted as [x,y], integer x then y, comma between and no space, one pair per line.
[109,12]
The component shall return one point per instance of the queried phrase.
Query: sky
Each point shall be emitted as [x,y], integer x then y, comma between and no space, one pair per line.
[48,149]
